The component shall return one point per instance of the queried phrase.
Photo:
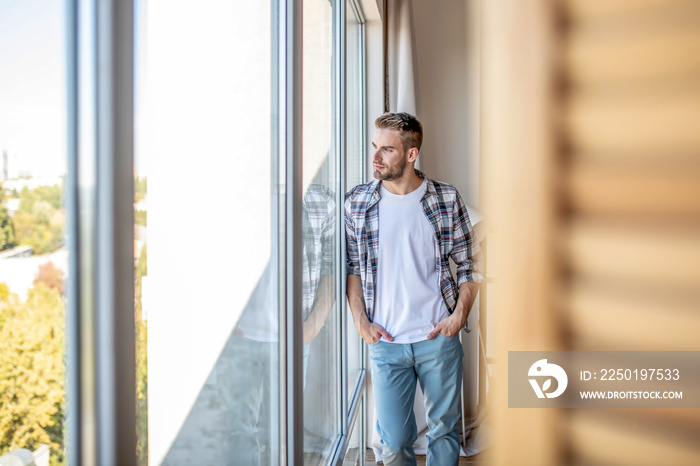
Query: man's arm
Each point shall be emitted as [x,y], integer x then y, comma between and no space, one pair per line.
[322,306]
[369,331]
[467,255]
[450,326]
[323,301]
[466,252]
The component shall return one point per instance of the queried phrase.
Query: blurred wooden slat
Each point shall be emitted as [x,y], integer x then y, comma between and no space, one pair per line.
[630,117]
[599,440]
[617,322]
[517,156]
[647,253]
[684,422]
[670,52]
[629,123]
[587,9]
[624,190]
[663,122]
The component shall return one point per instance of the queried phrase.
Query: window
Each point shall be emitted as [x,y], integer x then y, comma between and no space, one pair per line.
[210,230]
[33,253]
[204,182]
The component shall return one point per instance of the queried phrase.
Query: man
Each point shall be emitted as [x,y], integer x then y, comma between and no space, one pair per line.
[402,228]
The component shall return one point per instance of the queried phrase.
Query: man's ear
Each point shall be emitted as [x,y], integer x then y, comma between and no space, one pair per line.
[412,154]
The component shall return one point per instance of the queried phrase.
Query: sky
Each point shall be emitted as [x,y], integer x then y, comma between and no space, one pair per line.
[32,86]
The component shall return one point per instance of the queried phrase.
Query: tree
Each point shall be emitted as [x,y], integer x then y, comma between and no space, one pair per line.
[141,363]
[31,371]
[51,276]
[7,228]
[53,195]
[39,221]
[140,188]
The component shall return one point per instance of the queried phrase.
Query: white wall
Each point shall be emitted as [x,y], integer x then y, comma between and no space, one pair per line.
[447,60]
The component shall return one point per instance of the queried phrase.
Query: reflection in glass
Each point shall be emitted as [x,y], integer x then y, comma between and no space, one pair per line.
[205,142]
[246,374]
[353,455]
[355,158]
[320,181]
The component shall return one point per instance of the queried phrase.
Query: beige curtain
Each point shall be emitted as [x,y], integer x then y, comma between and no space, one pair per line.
[402,79]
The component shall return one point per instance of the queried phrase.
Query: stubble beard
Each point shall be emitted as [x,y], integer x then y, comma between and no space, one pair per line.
[394,173]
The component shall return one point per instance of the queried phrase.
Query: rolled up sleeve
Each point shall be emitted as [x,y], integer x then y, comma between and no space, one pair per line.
[352,251]
[466,252]
[328,241]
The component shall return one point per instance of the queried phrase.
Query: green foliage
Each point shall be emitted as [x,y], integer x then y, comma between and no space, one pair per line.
[7,228]
[40,220]
[31,371]
[4,293]
[140,188]
[140,217]
[141,364]
[52,195]
[26,200]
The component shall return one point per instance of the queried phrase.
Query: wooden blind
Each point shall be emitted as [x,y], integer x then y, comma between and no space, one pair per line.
[590,143]
[631,162]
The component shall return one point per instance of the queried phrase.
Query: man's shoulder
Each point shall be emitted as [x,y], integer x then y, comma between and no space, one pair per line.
[318,200]
[444,190]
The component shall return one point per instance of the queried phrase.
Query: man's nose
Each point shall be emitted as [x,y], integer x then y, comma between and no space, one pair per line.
[375,154]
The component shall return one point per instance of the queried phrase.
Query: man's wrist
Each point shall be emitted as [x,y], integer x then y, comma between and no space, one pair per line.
[461,312]
[361,320]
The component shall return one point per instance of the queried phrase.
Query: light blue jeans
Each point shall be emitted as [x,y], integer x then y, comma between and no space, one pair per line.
[437,365]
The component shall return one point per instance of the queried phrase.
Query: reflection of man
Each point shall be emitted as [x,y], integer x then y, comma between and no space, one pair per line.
[318,229]
[247,373]
[402,294]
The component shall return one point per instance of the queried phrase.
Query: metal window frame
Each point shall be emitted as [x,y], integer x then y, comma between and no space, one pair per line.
[99,198]
[350,407]
[100,327]
[290,137]
[340,97]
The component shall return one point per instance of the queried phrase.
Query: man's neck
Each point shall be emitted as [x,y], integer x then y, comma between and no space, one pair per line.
[408,183]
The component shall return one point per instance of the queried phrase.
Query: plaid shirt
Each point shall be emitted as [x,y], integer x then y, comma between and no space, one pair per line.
[448,216]
[318,233]
[259,320]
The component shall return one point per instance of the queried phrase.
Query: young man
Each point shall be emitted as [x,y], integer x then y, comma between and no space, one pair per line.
[402,228]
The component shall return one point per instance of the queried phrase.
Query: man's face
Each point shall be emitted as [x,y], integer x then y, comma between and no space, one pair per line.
[388,157]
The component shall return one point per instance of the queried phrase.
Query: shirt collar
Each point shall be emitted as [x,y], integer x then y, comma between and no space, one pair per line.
[429,191]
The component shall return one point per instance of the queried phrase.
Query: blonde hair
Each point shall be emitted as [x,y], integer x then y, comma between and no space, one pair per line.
[409,128]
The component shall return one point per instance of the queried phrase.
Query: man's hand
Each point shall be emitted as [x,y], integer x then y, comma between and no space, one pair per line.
[322,307]
[369,331]
[372,333]
[450,325]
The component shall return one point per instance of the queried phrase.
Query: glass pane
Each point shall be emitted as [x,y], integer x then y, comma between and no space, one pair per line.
[353,455]
[355,158]
[320,184]
[33,256]
[355,98]
[207,220]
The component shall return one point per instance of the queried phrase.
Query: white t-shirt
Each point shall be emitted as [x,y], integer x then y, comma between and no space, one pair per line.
[408,301]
